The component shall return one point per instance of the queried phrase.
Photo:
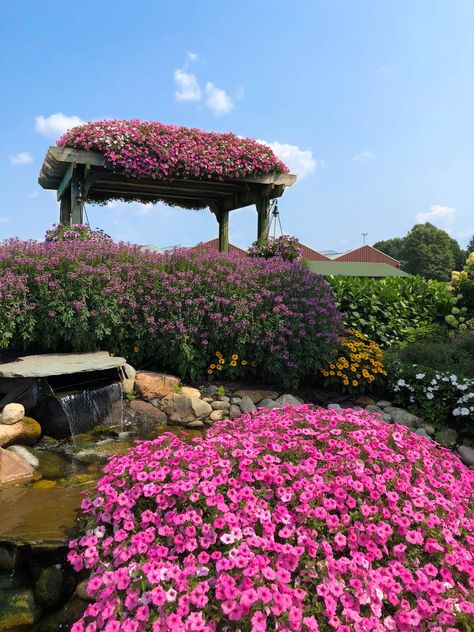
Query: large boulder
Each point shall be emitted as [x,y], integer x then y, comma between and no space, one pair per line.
[147,412]
[13,469]
[467,454]
[286,399]
[12,413]
[182,409]
[24,432]
[402,416]
[247,405]
[256,395]
[149,384]
[24,454]
[128,379]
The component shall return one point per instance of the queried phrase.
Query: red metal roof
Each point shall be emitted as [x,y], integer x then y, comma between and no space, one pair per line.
[213,244]
[367,254]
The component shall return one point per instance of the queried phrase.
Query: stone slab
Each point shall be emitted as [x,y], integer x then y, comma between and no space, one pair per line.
[60,364]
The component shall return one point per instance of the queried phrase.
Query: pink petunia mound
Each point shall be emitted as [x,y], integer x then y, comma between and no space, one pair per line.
[148,149]
[290,519]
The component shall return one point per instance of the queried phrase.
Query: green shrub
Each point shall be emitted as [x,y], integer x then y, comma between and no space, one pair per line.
[455,354]
[462,289]
[393,310]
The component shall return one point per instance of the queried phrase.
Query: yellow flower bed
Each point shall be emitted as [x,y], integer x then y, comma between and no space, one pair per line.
[234,362]
[360,363]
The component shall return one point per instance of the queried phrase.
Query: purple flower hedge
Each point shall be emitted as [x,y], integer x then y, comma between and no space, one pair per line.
[147,149]
[175,310]
[294,519]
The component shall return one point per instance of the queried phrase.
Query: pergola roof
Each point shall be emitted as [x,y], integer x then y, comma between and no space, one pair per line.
[101,184]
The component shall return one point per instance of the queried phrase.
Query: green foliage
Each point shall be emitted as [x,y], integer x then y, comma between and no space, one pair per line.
[391,247]
[437,396]
[462,289]
[470,246]
[455,354]
[430,252]
[393,310]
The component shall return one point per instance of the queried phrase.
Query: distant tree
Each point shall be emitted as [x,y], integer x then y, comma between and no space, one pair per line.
[430,252]
[391,247]
[460,255]
[470,246]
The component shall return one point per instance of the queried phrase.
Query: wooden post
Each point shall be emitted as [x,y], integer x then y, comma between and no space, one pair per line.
[77,199]
[223,219]
[65,209]
[263,210]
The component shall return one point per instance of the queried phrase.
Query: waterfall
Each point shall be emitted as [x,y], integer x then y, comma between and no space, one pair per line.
[84,409]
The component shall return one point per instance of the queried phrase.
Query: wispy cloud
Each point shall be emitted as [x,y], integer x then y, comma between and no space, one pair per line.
[300,161]
[22,158]
[189,89]
[4,220]
[56,124]
[218,100]
[437,214]
[364,157]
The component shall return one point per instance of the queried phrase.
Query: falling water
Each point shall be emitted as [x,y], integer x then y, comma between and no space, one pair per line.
[85,409]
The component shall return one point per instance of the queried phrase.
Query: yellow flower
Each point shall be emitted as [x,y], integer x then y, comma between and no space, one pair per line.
[210,371]
[136,349]
[355,383]
[221,361]
[218,367]
[346,382]
[254,364]
[331,373]
[233,363]
[244,363]
[235,356]
[212,366]
[218,354]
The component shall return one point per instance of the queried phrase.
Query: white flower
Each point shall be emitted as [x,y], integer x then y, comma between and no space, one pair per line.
[420,376]
[429,396]
[401,383]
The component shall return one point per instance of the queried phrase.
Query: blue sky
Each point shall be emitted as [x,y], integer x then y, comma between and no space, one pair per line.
[370,103]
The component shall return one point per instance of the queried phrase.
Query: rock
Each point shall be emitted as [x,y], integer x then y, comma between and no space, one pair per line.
[13,469]
[383,403]
[24,454]
[12,413]
[128,379]
[212,389]
[9,581]
[49,586]
[18,608]
[191,392]
[235,400]
[365,401]
[234,412]
[216,415]
[386,417]
[373,408]
[334,407]
[8,558]
[257,395]
[267,403]
[218,405]
[429,429]
[197,423]
[247,405]
[286,399]
[81,590]
[402,416]
[182,409]
[146,411]
[52,466]
[149,384]
[467,454]
[23,432]
[224,398]
[60,364]
[447,438]
[421,431]
[63,618]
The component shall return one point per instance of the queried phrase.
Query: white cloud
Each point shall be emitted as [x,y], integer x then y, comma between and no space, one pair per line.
[300,161]
[55,125]
[4,220]
[218,100]
[188,86]
[23,158]
[364,156]
[437,214]
[192,56]
[33,195]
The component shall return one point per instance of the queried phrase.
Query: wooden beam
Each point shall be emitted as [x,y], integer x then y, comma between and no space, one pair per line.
[65,210]
[66,181]
[223,219]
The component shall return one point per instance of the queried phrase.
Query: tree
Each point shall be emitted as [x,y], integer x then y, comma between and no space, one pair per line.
[391,247]
[430,252]
[470,246]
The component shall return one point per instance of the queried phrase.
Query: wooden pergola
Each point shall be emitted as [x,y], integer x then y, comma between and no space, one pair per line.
[79,176]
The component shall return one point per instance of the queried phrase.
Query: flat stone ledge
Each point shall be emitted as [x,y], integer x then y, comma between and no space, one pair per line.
[60,364]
